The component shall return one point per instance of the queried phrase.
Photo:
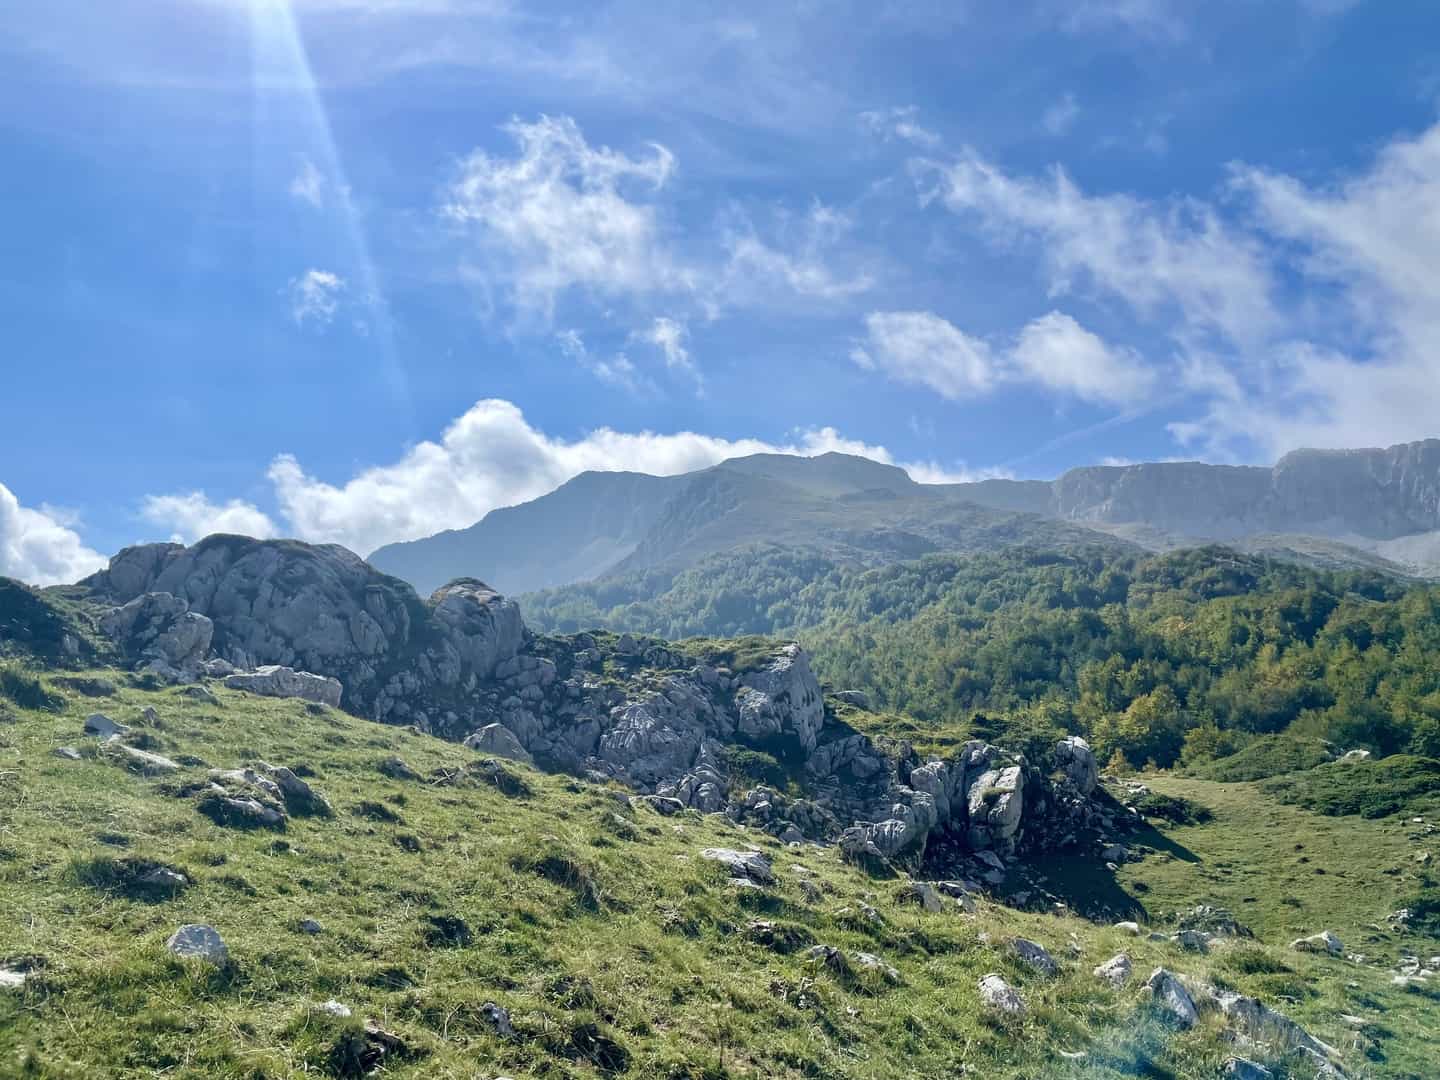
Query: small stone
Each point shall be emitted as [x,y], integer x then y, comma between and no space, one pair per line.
[201,694]
[141,761]
[922,893]
[397,769]
[101,725]
[750,866]
[1132,928]
[1325,941]
[1034,956]
[1115,971]
[1171,996]
[66,753]
[310,926]
[1242,1069]
[199,941]
[163,879]
[870,962]
[335,1008]
[998,995]
[497,1019]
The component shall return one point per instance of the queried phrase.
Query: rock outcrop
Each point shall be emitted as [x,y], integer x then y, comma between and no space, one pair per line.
[159,632]
[318,624]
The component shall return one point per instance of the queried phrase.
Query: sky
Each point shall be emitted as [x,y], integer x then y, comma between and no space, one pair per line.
[356,271]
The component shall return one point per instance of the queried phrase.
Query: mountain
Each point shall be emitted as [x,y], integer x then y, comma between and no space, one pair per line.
[1362,509]
[852,508]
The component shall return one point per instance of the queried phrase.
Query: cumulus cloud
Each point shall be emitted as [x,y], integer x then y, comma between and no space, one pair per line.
[1053,352]
[1056,352]
[192,515]
[40,547]
[921,348]
[563,214]
[315,297]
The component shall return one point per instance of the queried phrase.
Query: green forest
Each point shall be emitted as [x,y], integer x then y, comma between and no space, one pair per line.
[1181,658]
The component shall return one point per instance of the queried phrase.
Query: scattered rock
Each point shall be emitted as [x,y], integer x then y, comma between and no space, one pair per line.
[1115,853]
[1323,942]
[240,812]
[999,996]
[199,941]
[159,630]
[499,740]
[1132,928]
[1257,1021]
[397,769]
[1242,1069]
[68,753]
[497,1019]
[275,680]
[751,866]
[163,880]
[199,693]
[140,761]
[1115,971]
[1352,756]
[1192,940]
[300,798]
[362,1052]
[334,1008]
[922,893]
[101,725]
[865,961]
[1171,997]
[1034,956]
[310,926]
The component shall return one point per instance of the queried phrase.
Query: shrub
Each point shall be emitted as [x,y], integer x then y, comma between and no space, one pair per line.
[1371,789]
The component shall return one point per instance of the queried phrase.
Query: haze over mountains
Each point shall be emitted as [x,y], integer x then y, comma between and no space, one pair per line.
[1374,507]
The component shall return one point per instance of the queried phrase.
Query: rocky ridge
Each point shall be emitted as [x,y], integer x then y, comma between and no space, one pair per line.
[660,718]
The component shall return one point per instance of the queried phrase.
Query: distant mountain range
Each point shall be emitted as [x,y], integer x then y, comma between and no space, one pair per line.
[1377,509]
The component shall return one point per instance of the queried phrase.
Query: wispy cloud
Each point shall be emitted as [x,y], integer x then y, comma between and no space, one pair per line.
[315,297]
[308,184]
[1060,117]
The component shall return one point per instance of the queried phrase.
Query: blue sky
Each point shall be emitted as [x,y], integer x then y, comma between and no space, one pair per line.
[360,270]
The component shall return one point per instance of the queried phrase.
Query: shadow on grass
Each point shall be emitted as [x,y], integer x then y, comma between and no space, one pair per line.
[1090,890]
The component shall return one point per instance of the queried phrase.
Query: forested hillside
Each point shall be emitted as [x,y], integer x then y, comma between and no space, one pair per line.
[1181,657]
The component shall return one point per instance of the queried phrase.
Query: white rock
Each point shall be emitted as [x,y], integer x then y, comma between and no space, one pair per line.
[334,1008]
[1325,942]
[1171,996]
[749,866]
[199,941]
[1115,971]
[500,741]
[273,680]
[141,761]
[997,994]
[101,725]
[1132,928]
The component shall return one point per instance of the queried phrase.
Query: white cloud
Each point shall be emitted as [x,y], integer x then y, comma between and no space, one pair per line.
[192,515]
[1163,259]
[921,348]
[563,214]
[1060,117]
[1054,352]
[315,297]
[39,547]
[900,122]
[308,184]
[1147,18]
[669,336]
[1057,352]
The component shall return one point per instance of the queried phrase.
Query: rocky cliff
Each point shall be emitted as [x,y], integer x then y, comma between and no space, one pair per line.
[663,719]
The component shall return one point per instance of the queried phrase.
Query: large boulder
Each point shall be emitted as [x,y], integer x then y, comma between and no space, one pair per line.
[481,627]
[273,680]
[996,802]
[500,741]
[1074,757]
[159,631]
[782,700]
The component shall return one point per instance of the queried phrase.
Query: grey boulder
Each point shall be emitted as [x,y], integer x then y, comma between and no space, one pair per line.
[274,680]
[200,942]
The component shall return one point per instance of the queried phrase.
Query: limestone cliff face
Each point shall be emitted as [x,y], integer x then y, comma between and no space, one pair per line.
[1377,494]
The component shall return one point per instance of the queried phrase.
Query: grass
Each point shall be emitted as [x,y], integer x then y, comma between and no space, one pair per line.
[615,947]
[1267,755]
[1399,784]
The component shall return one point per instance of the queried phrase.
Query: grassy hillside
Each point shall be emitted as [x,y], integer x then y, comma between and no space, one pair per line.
[615,947]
